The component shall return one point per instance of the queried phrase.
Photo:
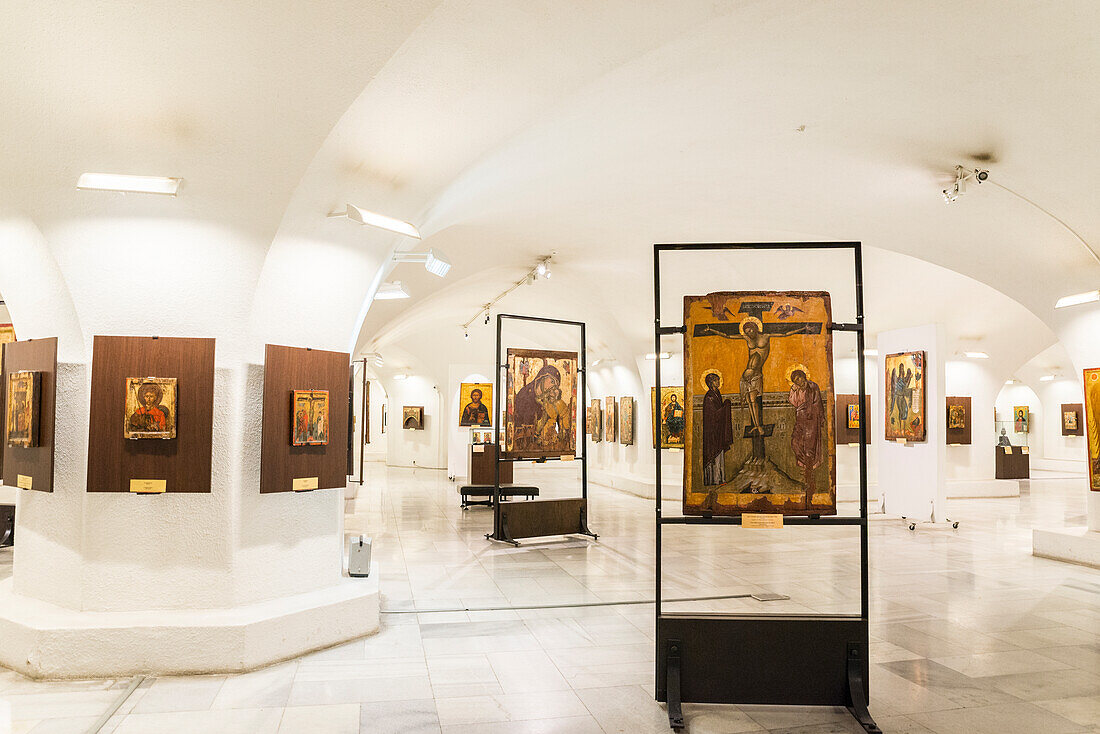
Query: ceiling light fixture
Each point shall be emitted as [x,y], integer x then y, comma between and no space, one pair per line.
[125,184]
[1010,382]
[374,357]
[373,219]
[1048,378]
[400,376]
[962,175]
[654,355]
[975,355]
[391,291]
[435,262]
[541,270]
[1077,299]
[870,352]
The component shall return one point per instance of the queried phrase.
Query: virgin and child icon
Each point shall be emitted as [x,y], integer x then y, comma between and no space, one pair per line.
[768,447]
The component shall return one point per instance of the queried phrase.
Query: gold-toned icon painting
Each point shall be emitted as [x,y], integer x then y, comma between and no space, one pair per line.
[626,421]
[595,425]
[1020,418]
[7,333]
[412,417]
[758,388]
[669,417]
[476,401]
[21,421]
[541,415]
[905,411]
[309,418]
[150,408]
[1092,425]
[609,423]
[1069,420]
[853,416]
[956,416]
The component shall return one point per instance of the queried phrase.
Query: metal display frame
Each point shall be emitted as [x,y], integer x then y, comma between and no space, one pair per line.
[808,660]
[555,517]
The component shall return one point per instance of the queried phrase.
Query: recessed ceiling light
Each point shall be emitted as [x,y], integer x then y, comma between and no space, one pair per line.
[129,184]
[391,291]
[1077,299]
[975,355]
[373,219]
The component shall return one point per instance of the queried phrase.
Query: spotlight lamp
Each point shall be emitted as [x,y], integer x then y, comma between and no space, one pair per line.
[126,184]
[381,221]
[1077,299]
[391,291]
[435,262]
[962,175]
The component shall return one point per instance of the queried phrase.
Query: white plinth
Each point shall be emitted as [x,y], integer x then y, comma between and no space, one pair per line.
[43,640]
[1075,545]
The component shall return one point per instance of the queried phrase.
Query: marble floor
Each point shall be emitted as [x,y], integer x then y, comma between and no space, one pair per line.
[970,633]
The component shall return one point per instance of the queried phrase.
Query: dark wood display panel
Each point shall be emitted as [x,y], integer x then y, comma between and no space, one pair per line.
[1078,408]
[844,434]
[958,435]
[183,462]
[1016,465]
[38,355]
[483,466]
[287,369]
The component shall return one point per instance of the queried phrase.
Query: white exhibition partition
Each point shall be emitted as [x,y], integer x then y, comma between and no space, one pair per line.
[911,476]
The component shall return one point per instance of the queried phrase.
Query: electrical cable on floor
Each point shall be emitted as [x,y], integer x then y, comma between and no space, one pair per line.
[102,720]
[759,596]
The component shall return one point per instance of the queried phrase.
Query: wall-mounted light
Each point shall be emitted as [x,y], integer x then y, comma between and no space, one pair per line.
[1048,378]
[400,376]
[434,261]
[162,185]
[1077,299]
[391,291]
[1010,382]
[373,219]
[596,362]
[374,357]
[975,355]
[870,352]
[663,355]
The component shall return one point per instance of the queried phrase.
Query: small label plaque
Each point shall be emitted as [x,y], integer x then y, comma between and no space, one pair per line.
[901,441]
[761,521]
[674,449]
[304,483]
[567,457]
[24,482]
[1025,449]
[1008,449]
[149,486]
[479,448]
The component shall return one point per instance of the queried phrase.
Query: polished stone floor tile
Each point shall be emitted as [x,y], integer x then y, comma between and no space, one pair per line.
[338,718]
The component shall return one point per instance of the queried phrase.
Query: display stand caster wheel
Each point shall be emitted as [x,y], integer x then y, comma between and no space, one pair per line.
[912,526]
[955,525]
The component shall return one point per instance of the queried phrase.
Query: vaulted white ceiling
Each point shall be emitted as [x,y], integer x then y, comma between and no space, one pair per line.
[507,130]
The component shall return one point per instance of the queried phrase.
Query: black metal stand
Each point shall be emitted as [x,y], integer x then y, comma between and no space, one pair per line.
[536,518]
[806,660]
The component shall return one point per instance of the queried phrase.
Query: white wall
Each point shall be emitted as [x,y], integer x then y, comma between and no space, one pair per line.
[423,449]
[1020,394]
[458,437]
[978,380]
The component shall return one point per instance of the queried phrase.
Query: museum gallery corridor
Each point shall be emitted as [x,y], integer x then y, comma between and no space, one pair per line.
[969,632]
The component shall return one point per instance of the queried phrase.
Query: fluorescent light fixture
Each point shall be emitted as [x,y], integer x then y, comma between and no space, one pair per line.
[1010,382]
[1048,378]
[663,355]
[596,362]
[435,262]
[870,352]
[129,184]
[400,376]
[373,219]
[391,291]
[374,357]
[975,355]
[1077,299]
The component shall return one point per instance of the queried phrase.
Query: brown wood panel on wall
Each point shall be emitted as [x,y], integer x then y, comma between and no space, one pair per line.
[1079,410]
[844,434]
[182,462]
[36,462]
[287,369]
[957,436]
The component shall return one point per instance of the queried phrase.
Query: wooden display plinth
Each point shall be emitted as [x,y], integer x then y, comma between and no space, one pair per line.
[1014,465]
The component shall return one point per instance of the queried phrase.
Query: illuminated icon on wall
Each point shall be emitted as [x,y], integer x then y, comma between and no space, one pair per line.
[1069,420]
[541,415]
[669,417]
[309,418]
[1092,425]
[626,421]
[758,391]
[853,416]
[609,422]
[150,410]
[595,425]
[905,410]
[412,417]
[23,398]
[476,399]
[956,416]
[1020,418]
